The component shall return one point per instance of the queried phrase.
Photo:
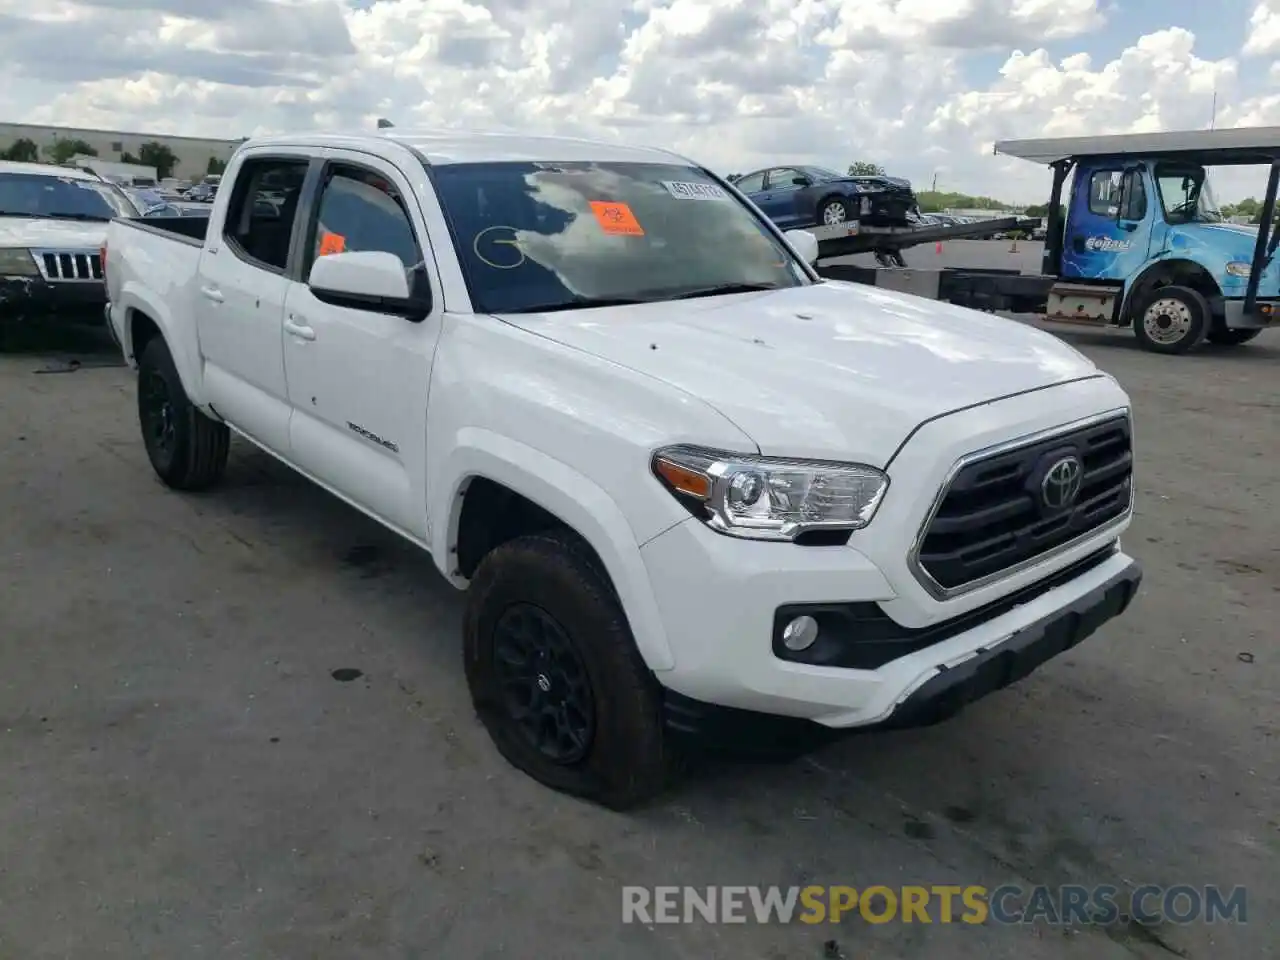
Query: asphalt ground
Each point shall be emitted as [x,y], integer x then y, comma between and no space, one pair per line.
[184,777]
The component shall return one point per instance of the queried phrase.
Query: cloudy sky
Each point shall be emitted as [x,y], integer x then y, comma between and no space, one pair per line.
[921,86]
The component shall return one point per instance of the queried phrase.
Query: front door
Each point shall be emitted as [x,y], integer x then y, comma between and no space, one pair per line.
[242,285]
[1109,223]
[358,379]
[781,194]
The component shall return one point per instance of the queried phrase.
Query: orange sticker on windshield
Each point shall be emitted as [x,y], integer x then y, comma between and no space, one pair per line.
[332,243]
[616,218]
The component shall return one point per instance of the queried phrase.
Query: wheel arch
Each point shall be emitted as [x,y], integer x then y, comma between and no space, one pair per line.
[519,490]
[844,198]
[146,317]
[1163,273]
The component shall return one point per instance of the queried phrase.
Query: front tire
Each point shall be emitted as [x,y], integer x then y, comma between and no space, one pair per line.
[1227,337]
[556,678]
[833,212]
[187,450]
[1171,320]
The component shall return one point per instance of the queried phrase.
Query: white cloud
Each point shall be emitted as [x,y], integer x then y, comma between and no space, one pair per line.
[917,85]
[1264,29]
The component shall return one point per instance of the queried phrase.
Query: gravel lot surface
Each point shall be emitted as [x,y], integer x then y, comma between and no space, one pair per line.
[184,777]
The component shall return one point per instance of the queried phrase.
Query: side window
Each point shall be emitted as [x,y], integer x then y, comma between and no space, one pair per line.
[751,184]
[263,207]
[780,179]
[1135,197]
[361,211]
[1104,192]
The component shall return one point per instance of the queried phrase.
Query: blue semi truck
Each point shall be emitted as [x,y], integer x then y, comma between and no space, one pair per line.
[1142,244]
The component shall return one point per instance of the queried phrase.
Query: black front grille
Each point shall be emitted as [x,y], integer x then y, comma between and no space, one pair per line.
[994,517]
[72,266]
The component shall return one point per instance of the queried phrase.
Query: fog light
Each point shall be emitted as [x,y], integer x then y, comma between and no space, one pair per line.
[800,633]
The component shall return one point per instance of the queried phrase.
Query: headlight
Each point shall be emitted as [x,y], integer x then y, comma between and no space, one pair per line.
[17,262]
[769,498]
[1239,268]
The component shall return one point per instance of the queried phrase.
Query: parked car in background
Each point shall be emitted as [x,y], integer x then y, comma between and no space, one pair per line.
[804,196]
[53,223]
[144,199]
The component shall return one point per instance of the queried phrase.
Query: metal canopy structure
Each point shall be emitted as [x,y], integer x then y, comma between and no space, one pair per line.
[1230,147]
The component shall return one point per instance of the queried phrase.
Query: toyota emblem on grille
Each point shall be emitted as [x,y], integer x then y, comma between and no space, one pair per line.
[1061,483]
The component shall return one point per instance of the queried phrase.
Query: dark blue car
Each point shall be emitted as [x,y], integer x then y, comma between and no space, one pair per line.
[804,196]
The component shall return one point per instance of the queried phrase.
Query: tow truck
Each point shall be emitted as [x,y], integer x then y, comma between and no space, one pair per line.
[1139,243]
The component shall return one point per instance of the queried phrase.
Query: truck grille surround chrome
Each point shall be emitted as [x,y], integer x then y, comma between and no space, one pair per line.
[1000,510]
[69,266]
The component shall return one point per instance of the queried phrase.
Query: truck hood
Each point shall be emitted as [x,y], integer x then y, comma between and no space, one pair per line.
[831,371]
[52,234]
[1235,240]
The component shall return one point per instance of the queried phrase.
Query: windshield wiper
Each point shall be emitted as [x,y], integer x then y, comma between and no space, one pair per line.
[717,289]
[53,216]
[578,303]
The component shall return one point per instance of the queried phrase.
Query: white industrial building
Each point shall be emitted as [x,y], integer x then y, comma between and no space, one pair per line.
[193,153]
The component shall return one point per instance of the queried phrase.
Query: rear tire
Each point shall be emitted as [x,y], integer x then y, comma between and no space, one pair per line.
[556,678]
[1227,337]
[1171,320]
[187,450]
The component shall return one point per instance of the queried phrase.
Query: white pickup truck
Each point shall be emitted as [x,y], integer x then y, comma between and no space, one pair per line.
[697,493]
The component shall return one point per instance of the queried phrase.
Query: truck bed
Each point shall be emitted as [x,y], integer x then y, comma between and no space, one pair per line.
[161,254]
[189,230]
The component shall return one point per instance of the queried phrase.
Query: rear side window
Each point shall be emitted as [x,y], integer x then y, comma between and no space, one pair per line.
[360,210]
[751,184]
[263,207]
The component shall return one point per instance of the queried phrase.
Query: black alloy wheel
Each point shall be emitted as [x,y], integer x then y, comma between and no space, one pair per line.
[545,686]
[156,407]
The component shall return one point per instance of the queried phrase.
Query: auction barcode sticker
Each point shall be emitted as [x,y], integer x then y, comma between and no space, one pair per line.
[694,191]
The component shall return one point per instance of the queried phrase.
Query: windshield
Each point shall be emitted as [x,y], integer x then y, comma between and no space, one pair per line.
[61,198]
[1186,194]
[551,236]
[822,173]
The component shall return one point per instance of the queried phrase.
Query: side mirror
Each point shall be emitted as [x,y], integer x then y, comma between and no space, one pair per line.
[804,243]
[801,181]
[366,280]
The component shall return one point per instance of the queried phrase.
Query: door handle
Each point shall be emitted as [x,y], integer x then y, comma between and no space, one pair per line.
[299,330]
[212,293]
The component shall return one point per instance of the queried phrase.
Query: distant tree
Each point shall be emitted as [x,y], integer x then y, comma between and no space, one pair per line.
[21,151]
[128,157]
[157,155]
[64,150]
[936,201]
[1247,207]
[215,167]
[865,168]
[1037,210]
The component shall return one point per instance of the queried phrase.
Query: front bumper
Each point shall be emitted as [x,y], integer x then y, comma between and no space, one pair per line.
[1265,313]
[36,299]
[722,620]
[1000,658]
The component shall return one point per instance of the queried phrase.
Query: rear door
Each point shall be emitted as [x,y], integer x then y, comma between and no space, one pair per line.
[358,379]
[1109,223]
[241,288]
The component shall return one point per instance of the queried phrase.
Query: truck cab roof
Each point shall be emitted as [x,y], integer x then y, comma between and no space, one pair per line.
[441,147]
[1228,147]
